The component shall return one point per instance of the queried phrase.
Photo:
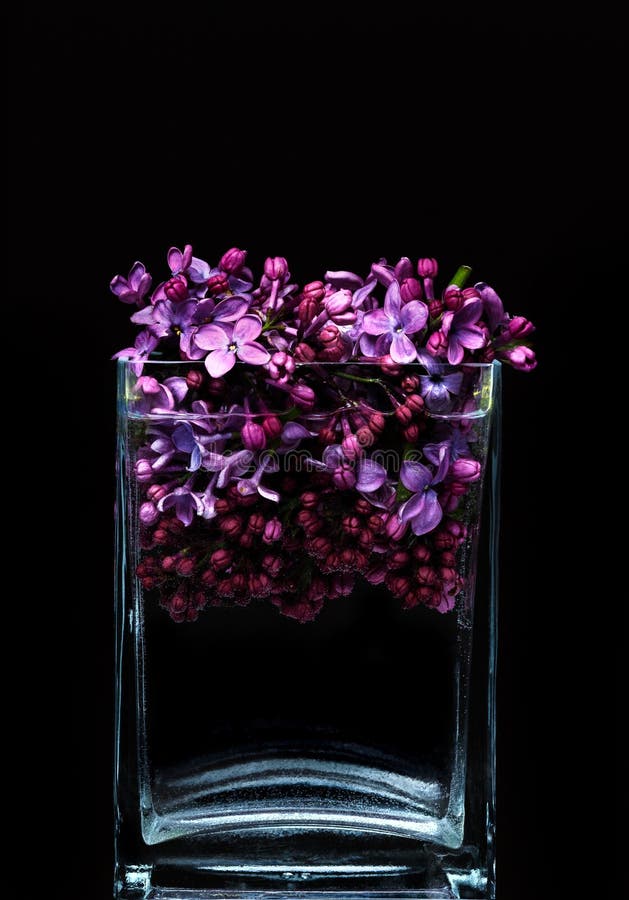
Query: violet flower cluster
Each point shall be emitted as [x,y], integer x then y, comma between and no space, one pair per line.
[267,471]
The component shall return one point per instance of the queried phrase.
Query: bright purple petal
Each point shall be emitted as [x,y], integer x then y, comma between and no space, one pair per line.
[414,476]
[414,316]
[253,353]
[213,337]
[333,456]
[472,337]
[268,494]
[429,515]
[183,438]
[247,329]
[198,269]
[135,275]
[376,322]
[175,260]
[228,310]
[370,476]
[455,351]
[468,314]
[118,284]
[219,361]
[393,300]
[402,349]
[411,508]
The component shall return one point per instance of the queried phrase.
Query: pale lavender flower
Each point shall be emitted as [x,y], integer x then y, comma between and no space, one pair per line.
[145,343]
[462,332]
[133,288]
[226,343]
[167,319]
[392,325]
[184,263]
[422,510]
[253,485]
[437,390]
[186,504]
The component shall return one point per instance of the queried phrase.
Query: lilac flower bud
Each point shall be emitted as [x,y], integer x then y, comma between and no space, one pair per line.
[398,559]
[453,298]
[410,289]
[194,379]
[232,261]
[303,396]
[176,288]
[256,523]
[281,367]
[304,353]
[272,531]
[517,328]
[427,268]
[273,564]
[471,293]
[156,492]
[437,343]
[435,308]
[309,500]
[338,303]
[231,525]
[395,528]
[143,470]
[218,284]
[246,540]
[307,310]
[253,436]
[521,358]
[329,335]
[275,268]
[388,366]
[465,470]
[149,514]
[186,566]
[352,447]
[272,427]
[344,477]
[221,559]
[314,290]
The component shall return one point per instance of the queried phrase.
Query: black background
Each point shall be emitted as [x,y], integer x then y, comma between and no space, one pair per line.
[334,136]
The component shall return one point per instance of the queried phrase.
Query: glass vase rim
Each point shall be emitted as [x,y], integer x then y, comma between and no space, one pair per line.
[129,361]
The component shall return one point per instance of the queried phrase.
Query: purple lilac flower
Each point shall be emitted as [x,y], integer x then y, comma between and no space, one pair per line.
[437,390]
[184,263]
[227,343]
[492,305]
[422,510]
[392,325]
[208,312]
[186,441]
[253,485]
[145,343]
[133,288]
[372,483]
[462,332]
[185,502]
[167,319]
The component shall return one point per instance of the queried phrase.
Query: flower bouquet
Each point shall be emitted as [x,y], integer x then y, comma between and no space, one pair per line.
[317,452]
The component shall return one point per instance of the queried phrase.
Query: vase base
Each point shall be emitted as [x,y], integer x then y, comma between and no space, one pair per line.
[342,791]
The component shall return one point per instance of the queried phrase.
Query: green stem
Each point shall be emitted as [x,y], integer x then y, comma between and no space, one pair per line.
[461,276]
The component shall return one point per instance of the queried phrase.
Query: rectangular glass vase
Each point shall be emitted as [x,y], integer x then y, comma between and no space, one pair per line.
[271,741]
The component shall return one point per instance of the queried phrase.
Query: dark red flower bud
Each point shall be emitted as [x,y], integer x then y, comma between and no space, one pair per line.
[194,379]
[307,310]
[435,308]
[320,546]
[176,289]
[156,492]
[375,523]
[253,436]
[186,566]
[398,559]
[453,298]
[388,366]
[272,564]
[415,402]
[314,290]
[221,559]
[363,507]
[161,536]
[327,436]
[377,423]
[426,575]
[470,293]
[309,499]
[404,414]
[246,540]
[208,578]
[412,433]
[218,284]
[216,386]
[410,289]
[399,585]
[447,558]
[410,383]
[421,553]
[351,525]
[231,525]
[199,600]
[304,353]
[329,335]
[272,427]
[365,436]
[447,574]
[443,540]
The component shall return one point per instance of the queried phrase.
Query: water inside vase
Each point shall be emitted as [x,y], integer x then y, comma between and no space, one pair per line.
[354,721]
